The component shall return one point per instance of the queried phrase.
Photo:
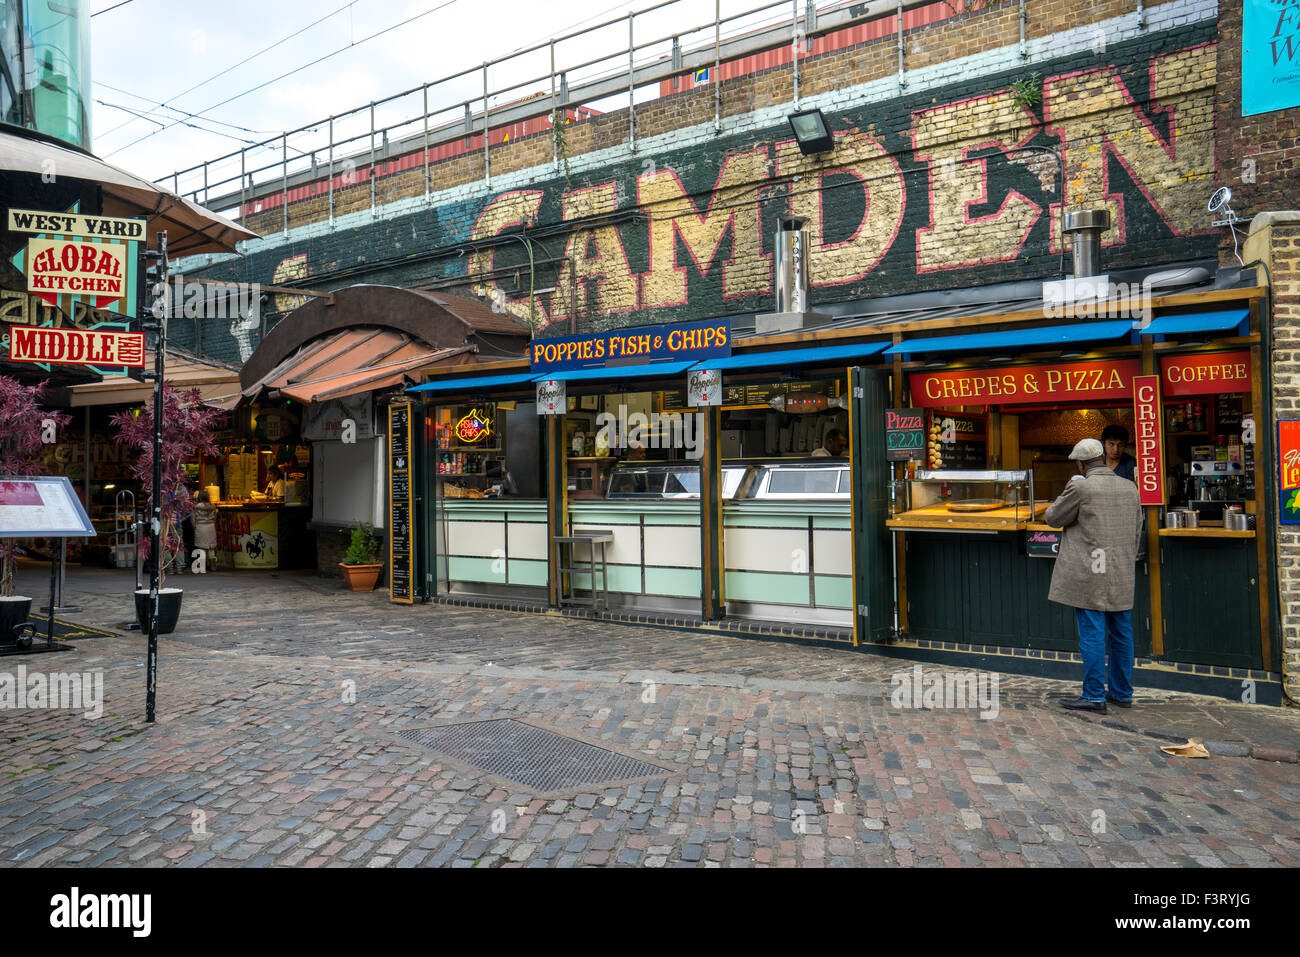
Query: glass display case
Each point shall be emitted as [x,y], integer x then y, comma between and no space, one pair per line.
[965,499]
[673,480]
[801,481]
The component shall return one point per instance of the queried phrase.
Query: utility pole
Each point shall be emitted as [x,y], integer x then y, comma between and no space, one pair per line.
[161,307]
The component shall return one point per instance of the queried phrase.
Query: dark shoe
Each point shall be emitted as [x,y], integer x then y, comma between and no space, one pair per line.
[1122,704]
[1083,704]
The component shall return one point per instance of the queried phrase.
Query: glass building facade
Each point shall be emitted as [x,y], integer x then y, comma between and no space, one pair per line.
[45,67]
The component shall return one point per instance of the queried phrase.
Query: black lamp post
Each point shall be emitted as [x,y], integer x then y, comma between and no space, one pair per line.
[160,308]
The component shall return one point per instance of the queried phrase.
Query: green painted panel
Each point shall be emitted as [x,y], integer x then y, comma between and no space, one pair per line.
[622,578]
[1210,601]
[844,521]
[475,570]
[732,519]
[833,591]
[935,592]
[523,571]
[593,517]
[993,600]
[678,582]
[768,587]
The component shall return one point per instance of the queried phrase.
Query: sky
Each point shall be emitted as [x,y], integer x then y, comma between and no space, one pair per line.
[150,57]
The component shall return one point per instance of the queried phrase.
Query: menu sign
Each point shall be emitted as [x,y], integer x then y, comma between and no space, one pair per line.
[1288,465]
[401,541]
[904,435]
[1082,382]
[42,505]
[1206,373]
[1042,544]
[1148,429]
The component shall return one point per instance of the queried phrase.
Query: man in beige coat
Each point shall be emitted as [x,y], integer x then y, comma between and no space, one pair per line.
[1101,516]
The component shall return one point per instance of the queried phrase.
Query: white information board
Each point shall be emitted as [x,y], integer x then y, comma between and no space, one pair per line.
[41,505]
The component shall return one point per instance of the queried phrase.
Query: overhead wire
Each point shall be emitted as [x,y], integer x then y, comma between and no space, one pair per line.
[299,69]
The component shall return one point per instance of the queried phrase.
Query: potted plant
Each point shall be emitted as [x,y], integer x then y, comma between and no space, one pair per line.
[361,565]
[186,430]
[23,423]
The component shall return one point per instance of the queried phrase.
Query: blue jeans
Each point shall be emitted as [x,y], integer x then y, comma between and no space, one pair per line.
[1101,632]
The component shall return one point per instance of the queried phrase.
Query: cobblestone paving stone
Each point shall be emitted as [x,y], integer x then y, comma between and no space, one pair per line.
[778,755]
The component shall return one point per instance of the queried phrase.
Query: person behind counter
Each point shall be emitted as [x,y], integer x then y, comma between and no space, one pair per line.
[1115,440]
[275,482]
[832,446]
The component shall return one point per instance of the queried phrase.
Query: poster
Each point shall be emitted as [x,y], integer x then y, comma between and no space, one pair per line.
[250,539]
[1270,55]
[324,421]
[1288,464]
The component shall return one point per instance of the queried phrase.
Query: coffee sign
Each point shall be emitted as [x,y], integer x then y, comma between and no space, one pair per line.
[1206,373]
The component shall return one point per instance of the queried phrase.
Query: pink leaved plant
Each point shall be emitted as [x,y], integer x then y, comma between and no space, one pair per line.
[23,427]
[187,429]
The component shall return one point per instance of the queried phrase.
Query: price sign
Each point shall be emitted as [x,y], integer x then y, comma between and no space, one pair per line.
[904,435]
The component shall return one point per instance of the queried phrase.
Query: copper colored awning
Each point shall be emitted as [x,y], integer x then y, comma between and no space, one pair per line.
[349,362]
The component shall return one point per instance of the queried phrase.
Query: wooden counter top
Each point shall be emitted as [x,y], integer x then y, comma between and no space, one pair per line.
[938,517]
[1206,532]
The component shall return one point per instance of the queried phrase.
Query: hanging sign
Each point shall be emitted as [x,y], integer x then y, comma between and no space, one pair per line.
[704,387]
[904,435]
[1270,55]
[74,259]
[1288,465]
[1080,382]
[1205,373]
[551,397]
[401,541]
[1148,431]
[679,342]
[75,346]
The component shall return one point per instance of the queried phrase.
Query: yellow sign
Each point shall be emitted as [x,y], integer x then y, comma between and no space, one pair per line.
[95,270]
[75,224]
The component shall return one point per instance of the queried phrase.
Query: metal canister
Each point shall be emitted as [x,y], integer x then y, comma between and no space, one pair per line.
[1173,518]
[1191,518]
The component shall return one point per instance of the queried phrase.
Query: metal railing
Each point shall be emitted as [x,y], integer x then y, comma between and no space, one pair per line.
[331,152]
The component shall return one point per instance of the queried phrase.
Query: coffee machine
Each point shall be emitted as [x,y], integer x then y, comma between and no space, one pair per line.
[1213,486]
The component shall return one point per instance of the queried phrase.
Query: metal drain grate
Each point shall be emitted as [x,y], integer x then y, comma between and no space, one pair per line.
[539,760]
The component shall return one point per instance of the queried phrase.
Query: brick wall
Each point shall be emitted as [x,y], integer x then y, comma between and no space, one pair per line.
[897,207]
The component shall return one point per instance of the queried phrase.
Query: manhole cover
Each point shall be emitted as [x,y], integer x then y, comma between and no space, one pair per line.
[539,760]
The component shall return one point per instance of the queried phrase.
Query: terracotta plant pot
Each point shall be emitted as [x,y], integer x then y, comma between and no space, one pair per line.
[361,577]
[169,609]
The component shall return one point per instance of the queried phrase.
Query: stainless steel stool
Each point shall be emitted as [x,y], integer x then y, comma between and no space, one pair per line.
[591,538]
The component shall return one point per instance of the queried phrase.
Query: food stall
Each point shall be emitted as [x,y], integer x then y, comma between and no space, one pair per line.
[261,521]
[976,557]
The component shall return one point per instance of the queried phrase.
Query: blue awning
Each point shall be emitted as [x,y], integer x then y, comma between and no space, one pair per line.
[1219,321]
[615,372]
[473,383]
[792,357]
[1014,338]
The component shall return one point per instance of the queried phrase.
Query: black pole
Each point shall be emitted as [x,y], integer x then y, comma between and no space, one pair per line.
[54,577]
[155,525]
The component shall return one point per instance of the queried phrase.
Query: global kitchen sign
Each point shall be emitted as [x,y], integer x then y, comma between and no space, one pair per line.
[73,258]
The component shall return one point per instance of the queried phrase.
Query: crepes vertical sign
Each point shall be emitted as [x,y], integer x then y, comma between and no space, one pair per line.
[1148,427]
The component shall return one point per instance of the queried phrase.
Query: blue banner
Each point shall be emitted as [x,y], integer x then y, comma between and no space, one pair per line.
[1270,56]
[678,342]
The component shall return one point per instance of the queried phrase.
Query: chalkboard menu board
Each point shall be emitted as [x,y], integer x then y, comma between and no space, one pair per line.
[957,441]
[401,543]
[1227,414]
[904,435]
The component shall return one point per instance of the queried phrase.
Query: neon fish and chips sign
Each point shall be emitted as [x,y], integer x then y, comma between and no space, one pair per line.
[679,342]
[474,427]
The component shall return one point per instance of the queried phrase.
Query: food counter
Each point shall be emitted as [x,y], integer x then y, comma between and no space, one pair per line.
[263,534]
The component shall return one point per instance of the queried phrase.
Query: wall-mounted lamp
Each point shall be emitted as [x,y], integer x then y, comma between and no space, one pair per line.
[935,364]
[811,132]
[1072,355]
[1000,359]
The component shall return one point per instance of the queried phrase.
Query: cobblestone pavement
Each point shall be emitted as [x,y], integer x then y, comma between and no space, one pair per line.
[774,755]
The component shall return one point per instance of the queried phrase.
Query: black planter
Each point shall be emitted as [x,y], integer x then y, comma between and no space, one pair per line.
[12,614]
[169,610]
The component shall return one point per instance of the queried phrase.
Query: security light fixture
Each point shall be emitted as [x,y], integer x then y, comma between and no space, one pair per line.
[935,364]
[811,132]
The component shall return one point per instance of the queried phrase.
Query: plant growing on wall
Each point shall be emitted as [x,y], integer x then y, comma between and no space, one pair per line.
[187,430]
[1027,90]
[558,122]
[23,427]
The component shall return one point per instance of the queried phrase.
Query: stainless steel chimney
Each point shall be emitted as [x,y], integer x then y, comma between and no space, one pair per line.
[791,266]
[1084,227]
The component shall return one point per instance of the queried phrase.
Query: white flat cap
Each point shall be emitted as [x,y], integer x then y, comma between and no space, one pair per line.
[1087,450]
